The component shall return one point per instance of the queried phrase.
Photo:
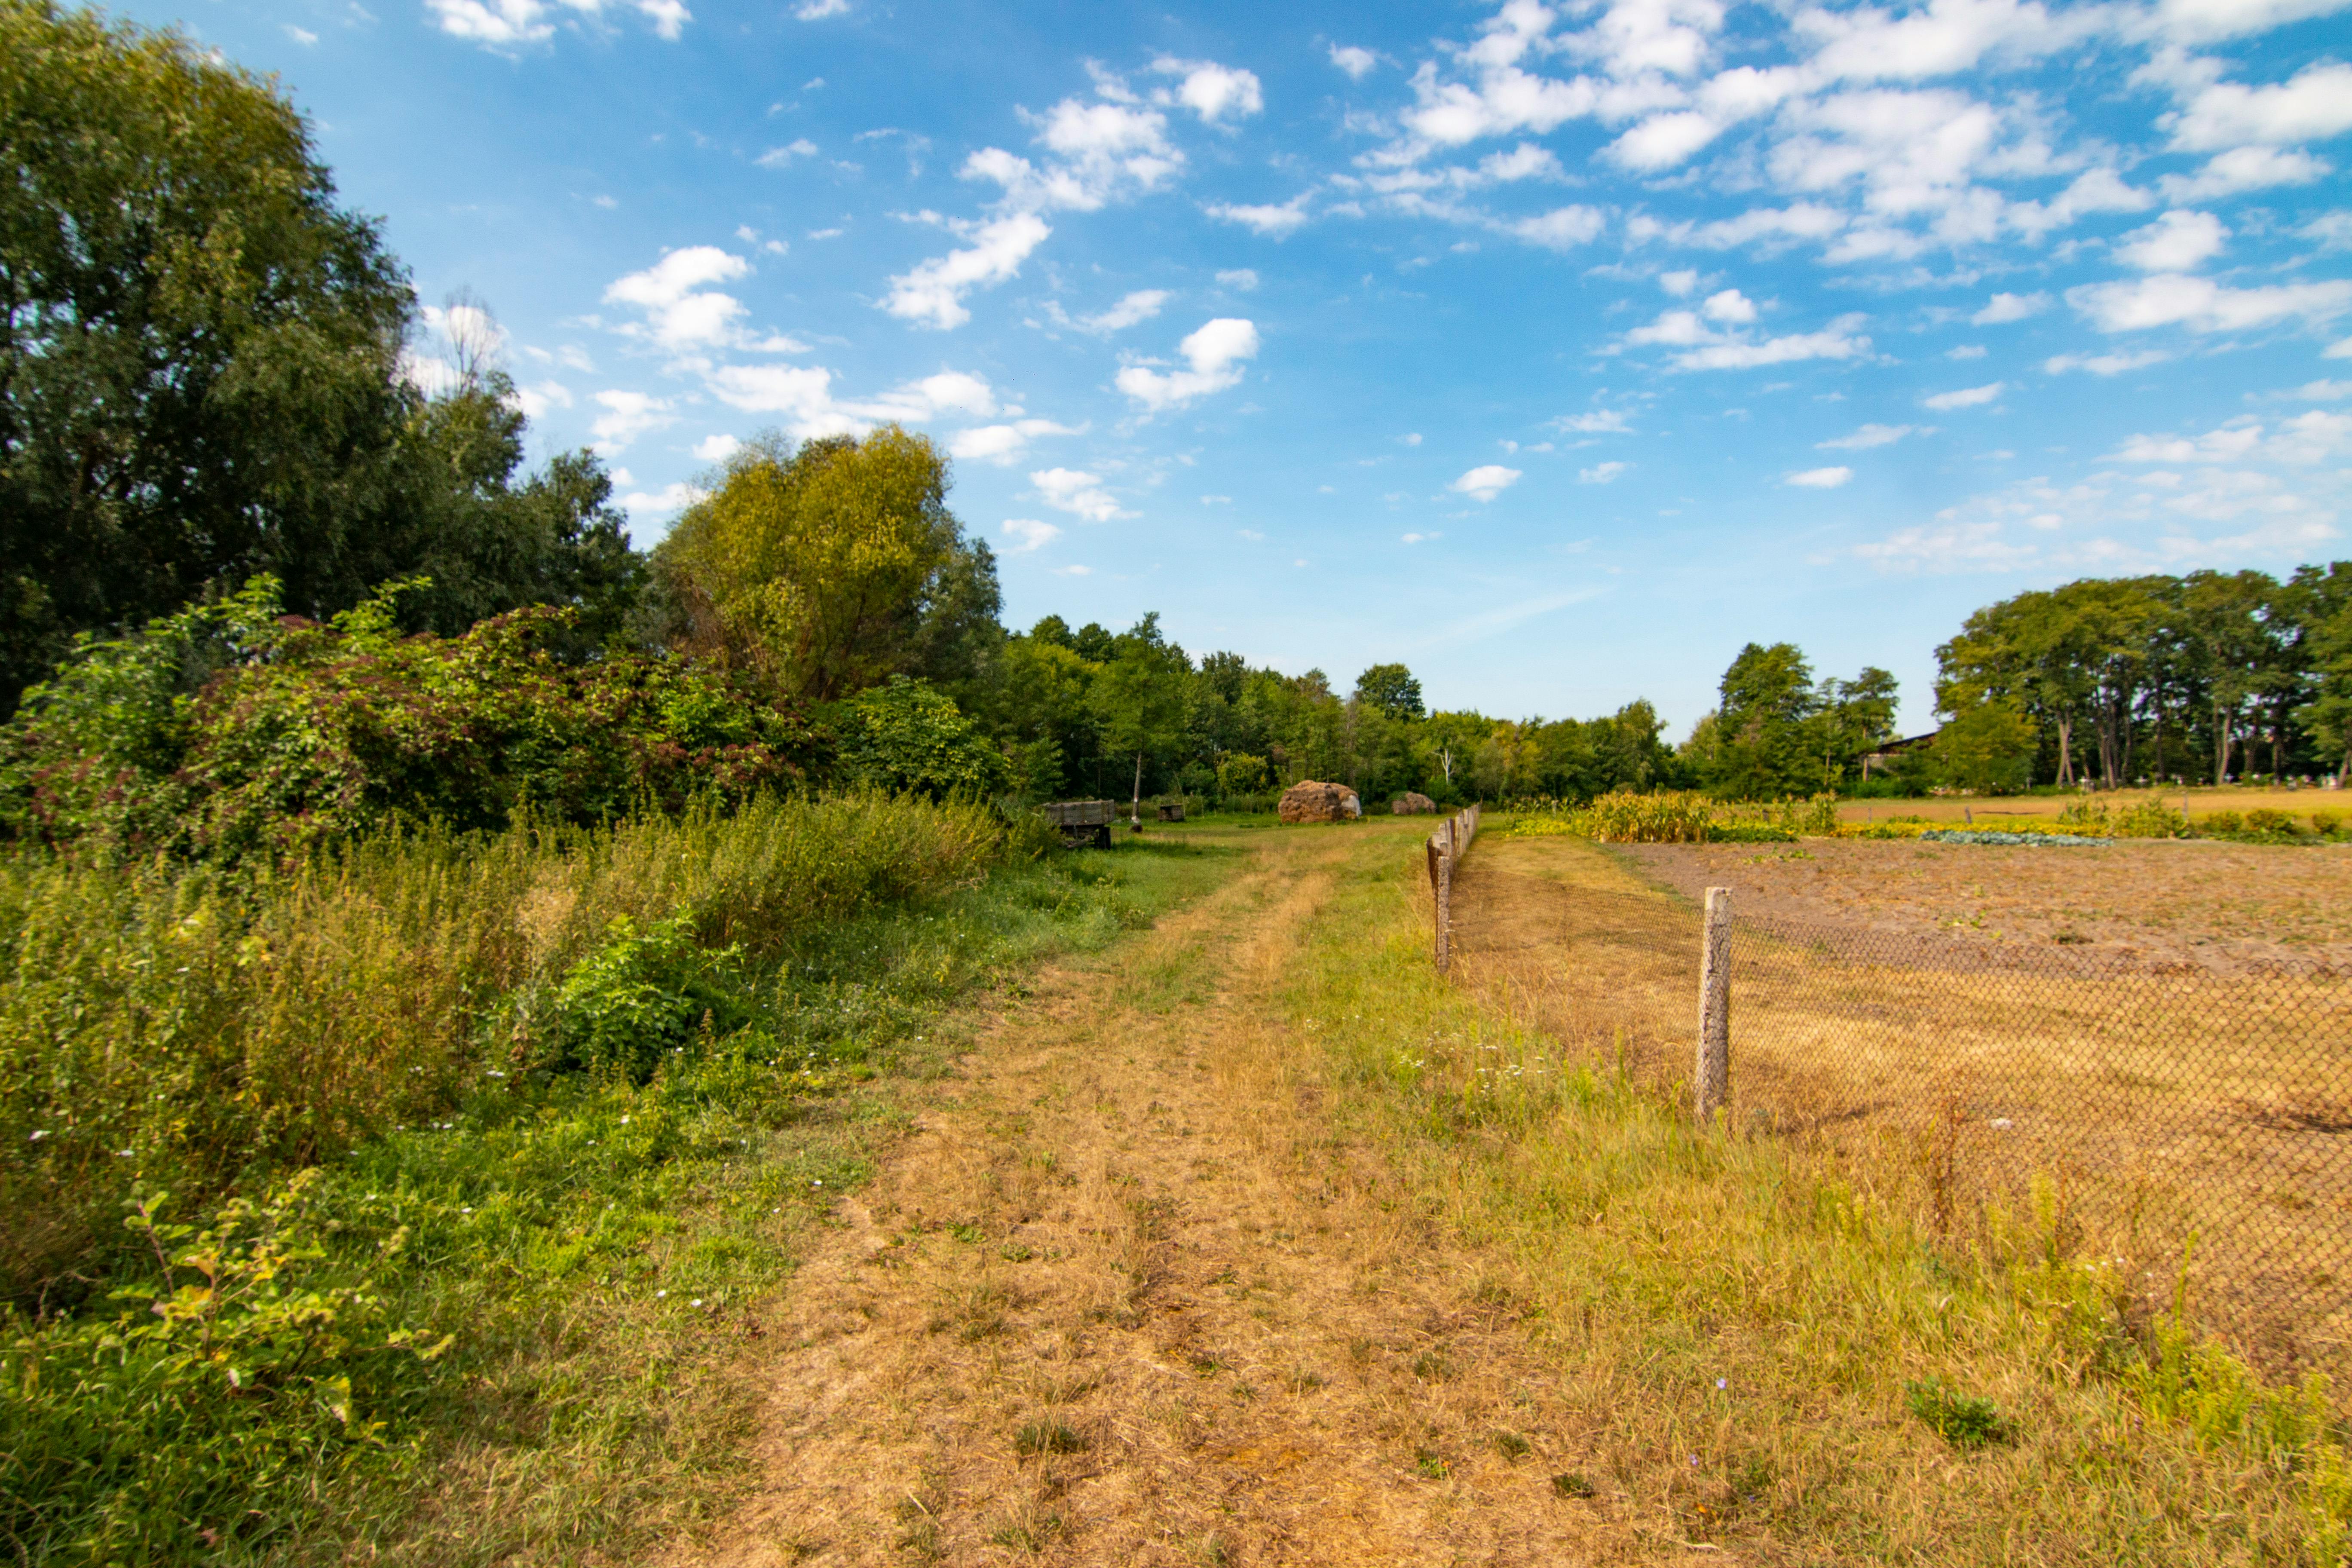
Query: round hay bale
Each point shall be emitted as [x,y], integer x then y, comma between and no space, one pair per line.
[1310,801]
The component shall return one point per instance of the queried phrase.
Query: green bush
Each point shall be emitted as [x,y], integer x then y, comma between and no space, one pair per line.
[909,737]
[227,730]
[644,995]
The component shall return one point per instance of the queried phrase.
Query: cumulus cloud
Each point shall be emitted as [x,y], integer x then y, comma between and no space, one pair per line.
[2209,21]
[1966,397]
[1241,280]
[1078,492]
[2245,169]
[675,497]
[2010,307]
[1562,228]
[2174,243]
[2313,105]
[777,157]
[1600,473]
[1027,534]
[1820,478]
[2317,437]
[1213,356]
[1359,63]
[932,294]
[1869,435]
[1485,481]
[1211,90]
[1005,444]
[1600,422]
[506,25]
[717,449]
[2202,305]
[683,311]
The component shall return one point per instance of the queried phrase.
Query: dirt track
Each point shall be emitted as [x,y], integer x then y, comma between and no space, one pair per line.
[1124,1297]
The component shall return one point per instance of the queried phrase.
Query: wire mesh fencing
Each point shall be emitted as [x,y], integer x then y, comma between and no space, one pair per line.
[2188,1124]
[2184,1123]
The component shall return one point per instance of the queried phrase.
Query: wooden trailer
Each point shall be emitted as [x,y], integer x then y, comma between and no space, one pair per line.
[1082,822]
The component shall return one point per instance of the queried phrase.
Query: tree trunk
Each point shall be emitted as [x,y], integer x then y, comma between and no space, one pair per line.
[1135,808]
[2065,749]
[2223,726]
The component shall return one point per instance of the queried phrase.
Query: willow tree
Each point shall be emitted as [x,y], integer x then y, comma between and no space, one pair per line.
[830,567]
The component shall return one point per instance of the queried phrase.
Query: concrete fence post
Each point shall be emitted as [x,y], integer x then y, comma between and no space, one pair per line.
[1711,1082]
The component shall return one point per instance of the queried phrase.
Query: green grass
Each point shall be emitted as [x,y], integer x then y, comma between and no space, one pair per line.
[1767,1346]
[495,1307]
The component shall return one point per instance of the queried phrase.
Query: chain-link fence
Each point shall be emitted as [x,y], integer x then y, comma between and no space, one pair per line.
[2174,1120]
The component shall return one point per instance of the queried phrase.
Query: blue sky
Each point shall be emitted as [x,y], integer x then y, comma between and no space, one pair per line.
[1556,351]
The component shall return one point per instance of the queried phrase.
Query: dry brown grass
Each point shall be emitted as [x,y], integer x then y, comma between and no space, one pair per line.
[1124,1297]
[2156,1112]
[2212,904]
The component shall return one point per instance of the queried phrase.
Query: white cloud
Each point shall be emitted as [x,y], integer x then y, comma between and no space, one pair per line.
[1358,63]
[2245,169]
[626,417]
[2315,105]
[1730,306]
[1028,534]
[932,293]
[1820,478]
[1007,443]
[1869,435]
[1275,222]
[536,398]
[675,497]
[818,10]
[717,449]
[1560,229]
[1940,39]
[2174,243]
[1681,284]
[1485,481]
[503,24]
[1216,353]
[2316,437]
[1965,351]
[1074,490]
[494,24]
[2321,392]
[303,35]
[803,392]
[777,157]
[1705,348]
[2102,364]
[1139,306]
[2205,21]
[2166,298]
[1241,280]
[1410,438]
[683,313]
[1600,422]
[2010,307]
[1966,397]
[1600,473]
[1211,90]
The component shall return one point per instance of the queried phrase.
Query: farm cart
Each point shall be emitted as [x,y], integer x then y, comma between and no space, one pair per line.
[1082,822]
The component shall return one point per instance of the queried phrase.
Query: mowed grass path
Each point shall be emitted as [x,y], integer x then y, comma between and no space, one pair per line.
[1248,1240]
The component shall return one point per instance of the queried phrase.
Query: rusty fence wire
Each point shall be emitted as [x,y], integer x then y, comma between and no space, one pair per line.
[2176,1120]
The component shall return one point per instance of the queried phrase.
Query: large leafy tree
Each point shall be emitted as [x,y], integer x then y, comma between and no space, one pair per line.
[1766,697]
[198,348]
[830,567]
[1139,699]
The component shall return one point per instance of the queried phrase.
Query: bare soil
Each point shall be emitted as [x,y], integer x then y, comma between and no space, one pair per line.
[1125,1296]
[2219,906]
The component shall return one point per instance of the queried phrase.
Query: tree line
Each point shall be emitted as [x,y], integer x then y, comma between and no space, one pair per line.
[211,427]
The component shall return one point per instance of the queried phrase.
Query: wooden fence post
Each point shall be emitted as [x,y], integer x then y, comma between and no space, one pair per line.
[1711,1083]
[1444,842]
